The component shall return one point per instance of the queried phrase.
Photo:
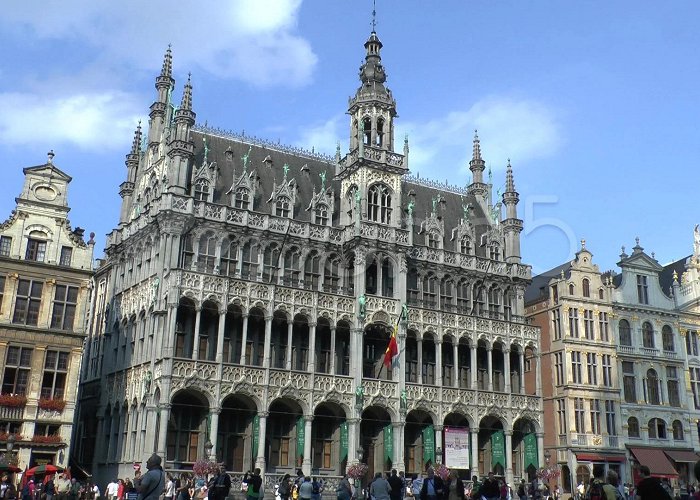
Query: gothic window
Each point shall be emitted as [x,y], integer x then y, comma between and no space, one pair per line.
[292,270]
[586,287]
[601,294]
[433,239]
[642,289]
[633,427]
[242,198]
[571,289]
[249,261]
[508,305]
[667,339]
[379,204]
[201,190]
[206,257]
[387,278]
[629,383]
[270,263]
[648,335]
[463,297]
[495,251]
[465,245]
[283,206]
[187,253]
[446,293]
[367,125]
[371,277]
[652,387]
[312,271]
[229,257]
[673,386]
[480,301]
[494,305]
[331,274]
[430,291]
[677,430]
[321,214]
[412,286]
[657,428]
[380,132]
[625,333]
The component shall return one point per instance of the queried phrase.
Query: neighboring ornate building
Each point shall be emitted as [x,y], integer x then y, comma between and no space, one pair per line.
[249,293]
[572,306]
[45,270]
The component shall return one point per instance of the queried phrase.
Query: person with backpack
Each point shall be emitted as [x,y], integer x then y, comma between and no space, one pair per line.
[649,488]
[254,491]
[596,489]
[285,487]
[522,490]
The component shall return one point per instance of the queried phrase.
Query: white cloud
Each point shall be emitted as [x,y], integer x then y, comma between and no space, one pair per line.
[325,136]
[251,40]
[523,130]
[89,121]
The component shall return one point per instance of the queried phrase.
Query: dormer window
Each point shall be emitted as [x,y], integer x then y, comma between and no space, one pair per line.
[201,190]
[642,289]
[321,215]
[242,198]
[465,245]
[283,207]
[586,288]
[36,250]
[433,239]
[379,204]
[495,251]
[5,246]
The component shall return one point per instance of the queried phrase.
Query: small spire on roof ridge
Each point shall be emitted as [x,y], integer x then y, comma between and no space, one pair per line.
[374,16]
[476,153]
[510,182]
[136,145]
[167,70]
[187,94]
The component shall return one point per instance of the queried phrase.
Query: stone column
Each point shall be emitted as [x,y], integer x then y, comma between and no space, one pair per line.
[150,429]
[438,441]
[306,463]
[220,337]
[398,458]
[473,372]
[506,369]
[538,373]
[311,364]
[268,341]
[260,458]
[356,355]
[420,358]
[197,322]
[438,364]
[353,440]
[522,370]
[290,329]
[214,431]
[540,448]
[244,338]
[455,357]
[474,459]
[163,429]
[169,335]
[331,369]
[489,357]
[509,456]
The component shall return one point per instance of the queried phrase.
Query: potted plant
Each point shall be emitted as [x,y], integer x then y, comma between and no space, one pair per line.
[52,439]
[13,400]
[52,404]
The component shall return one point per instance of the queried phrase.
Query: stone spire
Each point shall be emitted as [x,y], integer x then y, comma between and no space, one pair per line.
[136,144]
[165,82]
[477,164]
[186,103]
[181,146]
[512,225]
[510,184]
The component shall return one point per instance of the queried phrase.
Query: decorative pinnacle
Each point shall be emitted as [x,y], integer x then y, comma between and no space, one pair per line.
[510,183]
[136,145]
[583,244]
[50,156]
[187,94]
[167,70]
[476,153]
[374,15]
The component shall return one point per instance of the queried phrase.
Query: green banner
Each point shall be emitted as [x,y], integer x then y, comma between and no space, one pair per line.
[256,433]
[343,441]
[429,444]
[300,437]
[389,442]
[531,457]
[498,449]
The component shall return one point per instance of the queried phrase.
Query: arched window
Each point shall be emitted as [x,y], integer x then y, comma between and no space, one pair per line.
[465,245]
[331,274]
[367,131]
[586,285]
[667,339]
[283,206]
[387,278]
[379,204]
[625,333]
[653,397]
[571,289]
[292,271]
[495,251]
[312,271]
[677,430]
[249,261]
[647,335]
[479,301]
[229,257]
[380,132]
[632,427]
[412,286]
[201,190]
[463,297]
[430,291]
[242,198]
[433,239]
[657,429]
[270,262]
[446,293]
[206,258]
[508,305]
[494,302]
[187,252]
[601,294]
[321,214]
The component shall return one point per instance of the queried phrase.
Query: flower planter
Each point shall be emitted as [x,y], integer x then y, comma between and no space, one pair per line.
[51,404]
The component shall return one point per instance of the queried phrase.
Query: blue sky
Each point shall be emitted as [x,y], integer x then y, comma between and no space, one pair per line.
[596,103]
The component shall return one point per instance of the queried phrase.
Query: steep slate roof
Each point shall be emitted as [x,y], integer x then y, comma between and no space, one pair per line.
[666,276]
[538,289]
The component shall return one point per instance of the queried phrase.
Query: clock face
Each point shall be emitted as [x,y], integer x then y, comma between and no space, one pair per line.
[45,193]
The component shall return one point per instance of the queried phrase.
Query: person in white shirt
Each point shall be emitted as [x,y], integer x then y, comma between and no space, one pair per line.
[112,489]
[169,488]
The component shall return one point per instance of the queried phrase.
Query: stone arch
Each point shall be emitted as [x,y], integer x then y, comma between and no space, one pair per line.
[374,432]
[374,343]
[234,440]
[419,440]
[284,423]
[524,433]
[329,421]
[490,438]
[187,425]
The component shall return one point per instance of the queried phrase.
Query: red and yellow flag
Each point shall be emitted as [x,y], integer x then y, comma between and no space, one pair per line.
[391,356]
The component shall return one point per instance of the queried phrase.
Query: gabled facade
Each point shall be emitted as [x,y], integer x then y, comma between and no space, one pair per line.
[250,291]
[45,269]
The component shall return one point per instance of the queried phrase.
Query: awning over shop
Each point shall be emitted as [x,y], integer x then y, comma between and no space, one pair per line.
[682,456]
[656,460]
[599,457]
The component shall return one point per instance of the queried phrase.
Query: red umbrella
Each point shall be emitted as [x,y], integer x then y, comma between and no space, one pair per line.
[43,469]
[5,467]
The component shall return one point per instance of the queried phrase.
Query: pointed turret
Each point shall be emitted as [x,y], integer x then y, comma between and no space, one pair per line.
[165,82]
[181,147]
[512,225]
[186,102]
[126,189]
[164,86]
[477,166]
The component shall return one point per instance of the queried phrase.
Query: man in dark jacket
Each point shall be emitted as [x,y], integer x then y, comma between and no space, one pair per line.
[219,485]
[490,489]
[433,487]
[397,491]
[649,488]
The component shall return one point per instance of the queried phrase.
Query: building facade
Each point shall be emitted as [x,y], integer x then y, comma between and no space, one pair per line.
[250,291]
[45,270]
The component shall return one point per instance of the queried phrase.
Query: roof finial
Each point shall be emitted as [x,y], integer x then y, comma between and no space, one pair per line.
[510,183]
[136,145]
[187,94]
[50,156]
[476,154]
[583,244]
[374,15]
[167,70]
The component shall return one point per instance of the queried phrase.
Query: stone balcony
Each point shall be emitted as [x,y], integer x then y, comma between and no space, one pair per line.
[589,440]
[11,413]
[647,352]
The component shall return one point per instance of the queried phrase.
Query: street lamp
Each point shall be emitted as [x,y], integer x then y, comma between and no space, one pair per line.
[360,452]
[547,456]
[438,455]
[207,448]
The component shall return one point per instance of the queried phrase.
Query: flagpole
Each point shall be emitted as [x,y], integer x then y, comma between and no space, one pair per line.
[395,329]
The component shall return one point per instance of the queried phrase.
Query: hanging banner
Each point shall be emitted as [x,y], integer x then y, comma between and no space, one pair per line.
[300,437]
[456,445]
[343,441]
[389,443]
[256,433]
[498,449]
[429,444]
[531,455]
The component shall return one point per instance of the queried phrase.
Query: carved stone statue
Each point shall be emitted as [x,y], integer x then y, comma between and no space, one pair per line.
[410,207]
[362,302]
[206,150]
[148,377]
[404,312]
[466,207]
[404,400]
[358,200]
[359,395]
[696,240]
[285,169]
[322,175]
[154,289]
[245,158]
[435,202]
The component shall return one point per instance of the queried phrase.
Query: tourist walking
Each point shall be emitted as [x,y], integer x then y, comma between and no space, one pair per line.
[153,481]
[255,489]
[380,488]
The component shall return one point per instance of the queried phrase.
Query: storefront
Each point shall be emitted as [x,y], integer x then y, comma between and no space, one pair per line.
[657,461]
[683,461]
[609,461]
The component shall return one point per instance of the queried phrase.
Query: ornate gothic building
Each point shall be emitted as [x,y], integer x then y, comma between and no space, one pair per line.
[249,293]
